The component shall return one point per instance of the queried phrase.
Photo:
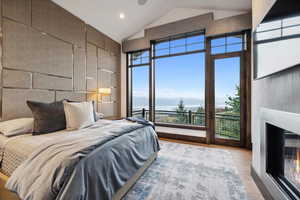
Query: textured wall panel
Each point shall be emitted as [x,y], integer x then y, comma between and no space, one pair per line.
[114,80]
[41,81]
[73,96]
[112,46]
[114,63]
[17,79]
[114,94]
[95,37]
[104,80]
[27,49]
[103,57]
[108,109]
[14,101]
[91,70]
[18,10]
[79,69]
[51,18]
[93,97]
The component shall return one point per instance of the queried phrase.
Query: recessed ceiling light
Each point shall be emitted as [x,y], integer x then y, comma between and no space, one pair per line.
[122,16]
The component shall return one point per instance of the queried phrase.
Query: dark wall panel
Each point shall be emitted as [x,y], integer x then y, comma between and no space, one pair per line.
[18,10]
[50,18]
[27,49]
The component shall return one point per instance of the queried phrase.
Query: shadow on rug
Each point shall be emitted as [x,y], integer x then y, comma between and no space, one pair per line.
[187,172]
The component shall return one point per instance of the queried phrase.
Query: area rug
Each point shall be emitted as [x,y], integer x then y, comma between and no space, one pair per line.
[188,172]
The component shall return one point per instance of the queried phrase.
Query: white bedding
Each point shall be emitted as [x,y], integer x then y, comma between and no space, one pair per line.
[14,150]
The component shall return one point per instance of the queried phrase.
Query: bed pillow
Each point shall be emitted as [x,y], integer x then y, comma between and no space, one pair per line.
[48,117]
[79,115]
[99,116]
[94,110]
[16,126]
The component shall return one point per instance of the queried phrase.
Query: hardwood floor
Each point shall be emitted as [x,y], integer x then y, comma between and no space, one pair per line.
[242,160]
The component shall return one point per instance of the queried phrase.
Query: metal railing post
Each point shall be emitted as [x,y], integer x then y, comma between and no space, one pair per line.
[190,117]
[143,112]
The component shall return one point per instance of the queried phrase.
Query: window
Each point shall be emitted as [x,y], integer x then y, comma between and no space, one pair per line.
[139,58]
[228,44]
[180,99]
[276,45]
[138,70]
[278,29]
[180,44]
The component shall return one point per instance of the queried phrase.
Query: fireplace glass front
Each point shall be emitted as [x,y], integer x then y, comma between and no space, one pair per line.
[283,159]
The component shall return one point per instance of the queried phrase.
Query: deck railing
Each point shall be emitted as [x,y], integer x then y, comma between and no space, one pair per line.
[227,125]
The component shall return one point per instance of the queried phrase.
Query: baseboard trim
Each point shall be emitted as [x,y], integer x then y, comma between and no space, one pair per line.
[261,186]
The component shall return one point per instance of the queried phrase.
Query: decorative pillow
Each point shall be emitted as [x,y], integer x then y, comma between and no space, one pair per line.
[94,110]
[79,115]
[48,117]
[99,116]
[16,126]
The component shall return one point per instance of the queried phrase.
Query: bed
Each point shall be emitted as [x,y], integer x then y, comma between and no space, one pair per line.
[113,159]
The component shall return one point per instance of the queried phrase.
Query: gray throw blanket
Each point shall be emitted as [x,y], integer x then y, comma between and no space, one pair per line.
[92,163]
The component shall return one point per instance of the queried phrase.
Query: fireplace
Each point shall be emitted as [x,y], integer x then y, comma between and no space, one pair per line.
[280,158]
[283,159]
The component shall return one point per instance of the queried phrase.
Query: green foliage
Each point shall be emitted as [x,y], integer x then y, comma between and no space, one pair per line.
[181,112]
[233,102]
[200,110]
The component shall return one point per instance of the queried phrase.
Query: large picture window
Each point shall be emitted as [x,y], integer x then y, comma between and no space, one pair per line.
[186,88]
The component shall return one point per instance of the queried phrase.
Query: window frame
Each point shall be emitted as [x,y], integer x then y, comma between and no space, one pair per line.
[275,39]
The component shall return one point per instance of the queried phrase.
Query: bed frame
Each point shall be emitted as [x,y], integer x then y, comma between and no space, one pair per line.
[8,195]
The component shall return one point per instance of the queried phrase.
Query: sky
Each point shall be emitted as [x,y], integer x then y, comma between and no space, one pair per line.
[183,77]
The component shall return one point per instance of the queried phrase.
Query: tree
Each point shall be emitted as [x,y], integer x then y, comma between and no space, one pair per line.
[181,112]
[234,101]
[199,118]
[200,110]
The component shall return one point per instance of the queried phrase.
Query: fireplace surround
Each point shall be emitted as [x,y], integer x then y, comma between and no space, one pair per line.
[280,153]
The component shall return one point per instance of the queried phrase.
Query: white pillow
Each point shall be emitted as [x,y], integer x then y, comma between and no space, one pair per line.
[99,115]
[16,126]
[79,115]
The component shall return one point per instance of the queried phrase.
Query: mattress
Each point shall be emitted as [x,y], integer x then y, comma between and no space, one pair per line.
[14,150]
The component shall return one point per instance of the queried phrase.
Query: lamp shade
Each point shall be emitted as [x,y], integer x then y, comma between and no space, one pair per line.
[105,91]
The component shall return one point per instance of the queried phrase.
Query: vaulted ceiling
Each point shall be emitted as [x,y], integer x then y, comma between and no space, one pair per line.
[104,14]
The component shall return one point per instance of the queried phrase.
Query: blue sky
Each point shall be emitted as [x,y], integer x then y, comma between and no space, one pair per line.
[182,77]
